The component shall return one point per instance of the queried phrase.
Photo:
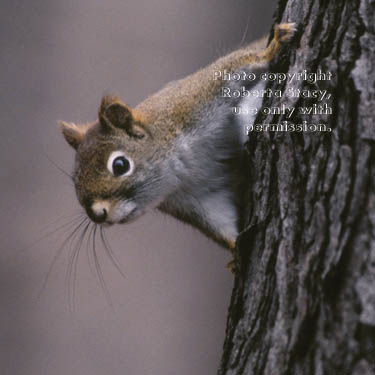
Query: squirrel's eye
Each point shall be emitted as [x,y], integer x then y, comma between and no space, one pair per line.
[119,165]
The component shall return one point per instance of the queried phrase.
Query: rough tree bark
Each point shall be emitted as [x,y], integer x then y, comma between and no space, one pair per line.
[304,294]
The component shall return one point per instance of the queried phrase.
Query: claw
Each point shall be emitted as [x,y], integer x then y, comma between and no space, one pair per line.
[231,266]
[285,31]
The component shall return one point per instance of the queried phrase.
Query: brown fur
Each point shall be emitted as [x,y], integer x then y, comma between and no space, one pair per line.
[148,133]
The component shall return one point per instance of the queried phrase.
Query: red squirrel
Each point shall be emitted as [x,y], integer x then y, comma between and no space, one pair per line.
[177,151]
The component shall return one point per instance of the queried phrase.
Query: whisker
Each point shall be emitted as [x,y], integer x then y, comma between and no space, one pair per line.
[111,255]
[76,212]
[83,231]
[72,265]
[75,217]
[88,252]
[58,254]
[59,168]
[245,32]
[100,273]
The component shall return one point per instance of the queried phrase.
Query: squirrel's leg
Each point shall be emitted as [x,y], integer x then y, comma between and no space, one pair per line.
[231,265]
[282,33]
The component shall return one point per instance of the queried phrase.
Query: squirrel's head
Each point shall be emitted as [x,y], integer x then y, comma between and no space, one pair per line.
[117,173]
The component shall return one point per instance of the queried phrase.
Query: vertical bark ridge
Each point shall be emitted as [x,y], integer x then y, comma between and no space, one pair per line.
[303,299]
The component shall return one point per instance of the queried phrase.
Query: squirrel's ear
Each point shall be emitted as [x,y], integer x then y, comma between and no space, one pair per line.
[73,133]
[113,112]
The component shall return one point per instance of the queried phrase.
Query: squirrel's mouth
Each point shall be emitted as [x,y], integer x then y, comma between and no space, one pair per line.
[123,212]
[106,213]
[131,217]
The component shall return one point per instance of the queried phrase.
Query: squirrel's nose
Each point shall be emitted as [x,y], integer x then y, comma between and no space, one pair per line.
[97,216]
[97,212]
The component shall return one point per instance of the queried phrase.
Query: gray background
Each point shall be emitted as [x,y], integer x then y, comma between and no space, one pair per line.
[57,59]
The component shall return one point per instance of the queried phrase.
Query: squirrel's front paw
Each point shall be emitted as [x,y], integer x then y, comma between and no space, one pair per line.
[231,266]
[285,31]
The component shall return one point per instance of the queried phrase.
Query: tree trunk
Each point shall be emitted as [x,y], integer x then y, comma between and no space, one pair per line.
[304,295]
